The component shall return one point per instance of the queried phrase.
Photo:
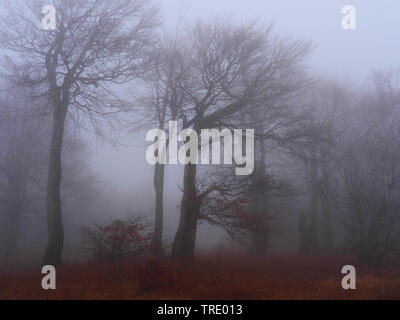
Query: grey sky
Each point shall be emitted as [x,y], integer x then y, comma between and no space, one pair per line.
[375,44]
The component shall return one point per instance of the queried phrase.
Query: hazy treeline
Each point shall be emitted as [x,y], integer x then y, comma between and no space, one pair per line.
[326,153]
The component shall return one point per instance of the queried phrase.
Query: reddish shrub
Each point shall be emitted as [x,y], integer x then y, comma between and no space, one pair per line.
[118,239]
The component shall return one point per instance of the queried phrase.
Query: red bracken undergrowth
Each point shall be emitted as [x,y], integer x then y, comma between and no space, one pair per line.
[210,276]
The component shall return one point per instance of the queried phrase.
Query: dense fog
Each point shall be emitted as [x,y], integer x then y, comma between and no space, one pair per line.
[324,104]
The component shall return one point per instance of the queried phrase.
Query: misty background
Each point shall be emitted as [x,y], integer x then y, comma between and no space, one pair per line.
[347,55]
[124,178]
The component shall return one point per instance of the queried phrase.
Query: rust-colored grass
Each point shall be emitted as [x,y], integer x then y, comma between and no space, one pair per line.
[211,276]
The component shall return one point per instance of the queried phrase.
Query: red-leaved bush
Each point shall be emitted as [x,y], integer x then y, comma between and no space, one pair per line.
[118,239]
[236,217]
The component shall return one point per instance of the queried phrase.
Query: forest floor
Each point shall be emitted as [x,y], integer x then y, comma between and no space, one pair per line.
[210,276]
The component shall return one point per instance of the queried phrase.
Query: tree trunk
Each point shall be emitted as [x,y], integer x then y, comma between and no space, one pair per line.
[12,232]
[308,224]
[16,197]
[313,247]
[156,244]
[259,203]
[185,238]
[55,242]
[260,237]
[327,213]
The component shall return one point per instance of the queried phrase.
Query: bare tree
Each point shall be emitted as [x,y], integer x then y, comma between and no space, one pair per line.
[233,68]
[21,162]
[367,160]
[328,101]
[162,102]
[95,44]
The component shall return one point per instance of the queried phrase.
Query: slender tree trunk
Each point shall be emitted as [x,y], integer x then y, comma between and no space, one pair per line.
[259,203]
[55,242]
[12,232]
[16,197]
[260,237]
[185,238]
[156,244]
[308,224]
[327,213]
[312,230]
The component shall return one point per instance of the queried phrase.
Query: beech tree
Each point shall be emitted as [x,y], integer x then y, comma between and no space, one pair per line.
[95,44]
[368,183]
[22,160]
[233,68]
[24,152]
[330,102]
[162,102]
